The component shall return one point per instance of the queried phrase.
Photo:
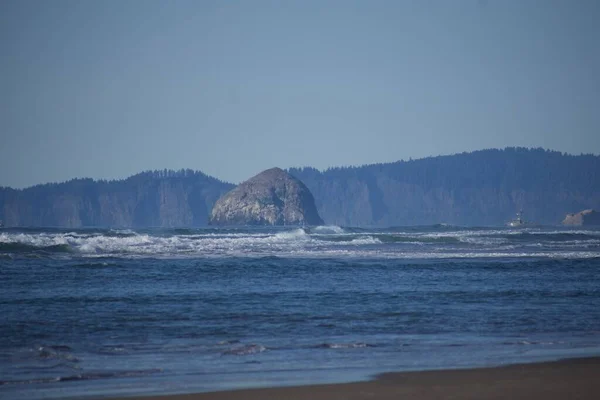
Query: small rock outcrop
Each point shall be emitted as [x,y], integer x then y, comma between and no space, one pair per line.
[583,218]
[272,197]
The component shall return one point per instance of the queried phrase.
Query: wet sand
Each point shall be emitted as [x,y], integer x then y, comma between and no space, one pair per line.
[567,379]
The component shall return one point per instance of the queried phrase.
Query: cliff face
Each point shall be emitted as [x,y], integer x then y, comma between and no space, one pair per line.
[150,199]
[583,218]
[481,188]
[272,197]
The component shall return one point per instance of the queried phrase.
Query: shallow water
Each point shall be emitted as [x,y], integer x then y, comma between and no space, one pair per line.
[107,312]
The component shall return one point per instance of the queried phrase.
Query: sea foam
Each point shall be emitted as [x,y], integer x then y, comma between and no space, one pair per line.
[325,241]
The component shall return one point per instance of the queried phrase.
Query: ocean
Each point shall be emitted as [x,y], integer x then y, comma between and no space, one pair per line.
[102,313]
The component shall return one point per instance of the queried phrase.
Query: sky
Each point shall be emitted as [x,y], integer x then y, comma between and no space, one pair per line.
[106,89]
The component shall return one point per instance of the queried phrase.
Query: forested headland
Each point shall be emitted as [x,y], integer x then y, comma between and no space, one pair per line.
[485,187]
[161,198]
[480,188]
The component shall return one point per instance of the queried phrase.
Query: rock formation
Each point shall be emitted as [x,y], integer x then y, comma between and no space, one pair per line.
[272,197]
[583,218]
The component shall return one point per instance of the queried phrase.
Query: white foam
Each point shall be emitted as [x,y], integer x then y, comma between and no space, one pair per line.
[483,240]
[38,240]
[328,230]
[299,243]
[358,345]
[123,231]
[360,241]
[296,234]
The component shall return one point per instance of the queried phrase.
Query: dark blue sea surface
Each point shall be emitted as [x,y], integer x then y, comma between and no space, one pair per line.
[108,312]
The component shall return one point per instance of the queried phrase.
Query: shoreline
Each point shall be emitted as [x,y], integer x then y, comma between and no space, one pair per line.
[577,378]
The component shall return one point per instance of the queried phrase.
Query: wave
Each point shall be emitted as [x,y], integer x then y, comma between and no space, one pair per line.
[117,350]
[231,341]
[357,345]
[348,239]
[418,239]
[85,376]
[18,247]
[95,265]
[323,241]
[59,352]
[245,350]
[532,343]
[552,236]
[365,241]
[121,233]
[327,230]
[296,234]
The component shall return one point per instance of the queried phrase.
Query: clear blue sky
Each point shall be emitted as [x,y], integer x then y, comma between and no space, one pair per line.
[106,89]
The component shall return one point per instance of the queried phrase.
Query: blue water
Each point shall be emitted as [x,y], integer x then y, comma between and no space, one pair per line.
[105,312]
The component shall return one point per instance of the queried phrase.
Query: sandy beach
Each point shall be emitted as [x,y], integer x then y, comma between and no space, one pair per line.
[566,379]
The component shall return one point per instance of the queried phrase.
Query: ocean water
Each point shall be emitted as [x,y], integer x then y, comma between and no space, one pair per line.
[96,313]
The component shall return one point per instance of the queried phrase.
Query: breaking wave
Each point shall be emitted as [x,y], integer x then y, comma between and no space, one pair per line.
[328,230]
[322,241]
[296,234]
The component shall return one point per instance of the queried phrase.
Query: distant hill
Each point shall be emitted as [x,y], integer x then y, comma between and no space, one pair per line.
[484,187]
[149,199]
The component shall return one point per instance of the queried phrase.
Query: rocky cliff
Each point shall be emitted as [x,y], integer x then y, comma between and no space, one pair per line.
[272,197]
[583,218]
[481,188]
[150,199]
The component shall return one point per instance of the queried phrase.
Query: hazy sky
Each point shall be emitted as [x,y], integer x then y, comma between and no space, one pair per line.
[106,89]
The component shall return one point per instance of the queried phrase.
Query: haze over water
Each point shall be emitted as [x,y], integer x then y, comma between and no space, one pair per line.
[108,312]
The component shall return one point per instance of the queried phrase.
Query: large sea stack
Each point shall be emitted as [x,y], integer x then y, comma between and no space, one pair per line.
[272,197]
[583,218]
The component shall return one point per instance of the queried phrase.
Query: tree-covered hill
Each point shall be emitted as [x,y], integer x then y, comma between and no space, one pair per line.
[150,199]
[484,187]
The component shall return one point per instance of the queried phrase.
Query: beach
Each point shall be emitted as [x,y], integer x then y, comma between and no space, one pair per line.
[565,379]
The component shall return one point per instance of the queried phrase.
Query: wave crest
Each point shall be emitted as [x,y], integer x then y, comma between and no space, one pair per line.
[321,241]
[328,230]
[245,350]
[357,345]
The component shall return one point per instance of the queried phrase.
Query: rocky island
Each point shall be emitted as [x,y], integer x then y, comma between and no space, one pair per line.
[583,218]
[272,197]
